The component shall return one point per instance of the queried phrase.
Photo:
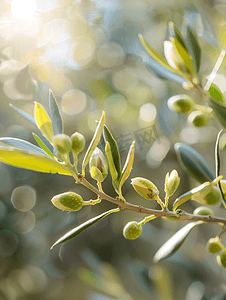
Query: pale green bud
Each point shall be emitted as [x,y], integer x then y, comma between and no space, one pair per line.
[209,195]
[187,85]
[214,245]
[78,143]
[62,143]
[69,201]
[181,103]
[145,188]
[172,182]
[172,57]
[198,118]
[96,174]
[203,211]
[98,161]
[221,259]
[132,230]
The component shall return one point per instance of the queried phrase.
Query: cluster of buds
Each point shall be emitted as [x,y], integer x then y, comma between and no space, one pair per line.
[198,115]
[214,246]
[63,145]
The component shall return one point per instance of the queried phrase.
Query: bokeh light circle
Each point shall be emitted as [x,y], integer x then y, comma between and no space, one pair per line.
[124,79]
[115,105]
[73,102]
[23,198]
[148,112]
[110,55]
[23,222]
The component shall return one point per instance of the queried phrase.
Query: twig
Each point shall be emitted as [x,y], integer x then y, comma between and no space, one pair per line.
[140,209]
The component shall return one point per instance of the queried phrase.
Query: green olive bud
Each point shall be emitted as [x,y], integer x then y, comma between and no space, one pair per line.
[209,195]
[198,118]
[99,162]
[145,188]
[221,259]
[78,143]
[181,104]
[62,143]
[96,174]
[69,201]
[172,182]
[132,230]
[203,211]
[213,245]
[187,85]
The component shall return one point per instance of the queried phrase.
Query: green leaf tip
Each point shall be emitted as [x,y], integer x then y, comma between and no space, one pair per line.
[94,142]
[79,229]
[175,242]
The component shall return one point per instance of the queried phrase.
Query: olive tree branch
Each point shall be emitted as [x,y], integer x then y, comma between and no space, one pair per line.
[182,216]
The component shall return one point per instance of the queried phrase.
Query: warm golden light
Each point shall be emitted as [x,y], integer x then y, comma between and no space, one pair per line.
[23,9]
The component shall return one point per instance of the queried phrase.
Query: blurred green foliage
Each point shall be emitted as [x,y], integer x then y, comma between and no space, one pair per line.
[89,54]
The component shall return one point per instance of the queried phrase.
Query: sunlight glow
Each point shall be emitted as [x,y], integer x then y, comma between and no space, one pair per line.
[23,9]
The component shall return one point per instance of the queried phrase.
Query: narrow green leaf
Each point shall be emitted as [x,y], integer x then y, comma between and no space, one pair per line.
[217,163]
[188,195]
[160,71]
[175,242]
[114,173]
[56,118]
[215,92]
[193,47]
[94,142]
[42,145]
[43,121]
[77,230]
[219,109]
[155,55]
[18,143]
[193,163]
[28,160]
[184,56]
[175,33]
[108,137]
[128,165]
[25,115]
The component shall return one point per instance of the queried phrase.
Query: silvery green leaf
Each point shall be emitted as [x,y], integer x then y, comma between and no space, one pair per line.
[18,143]
[217,163]
[26,116]
[108,137]
[56,118]
[193,47]
[194,163]
[220,110]
[79,229]
[175,242]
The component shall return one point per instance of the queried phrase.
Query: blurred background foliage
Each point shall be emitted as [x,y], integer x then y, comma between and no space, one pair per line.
[89,54]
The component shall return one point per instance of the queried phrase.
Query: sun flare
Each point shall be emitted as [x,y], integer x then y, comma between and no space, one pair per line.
[23,9]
